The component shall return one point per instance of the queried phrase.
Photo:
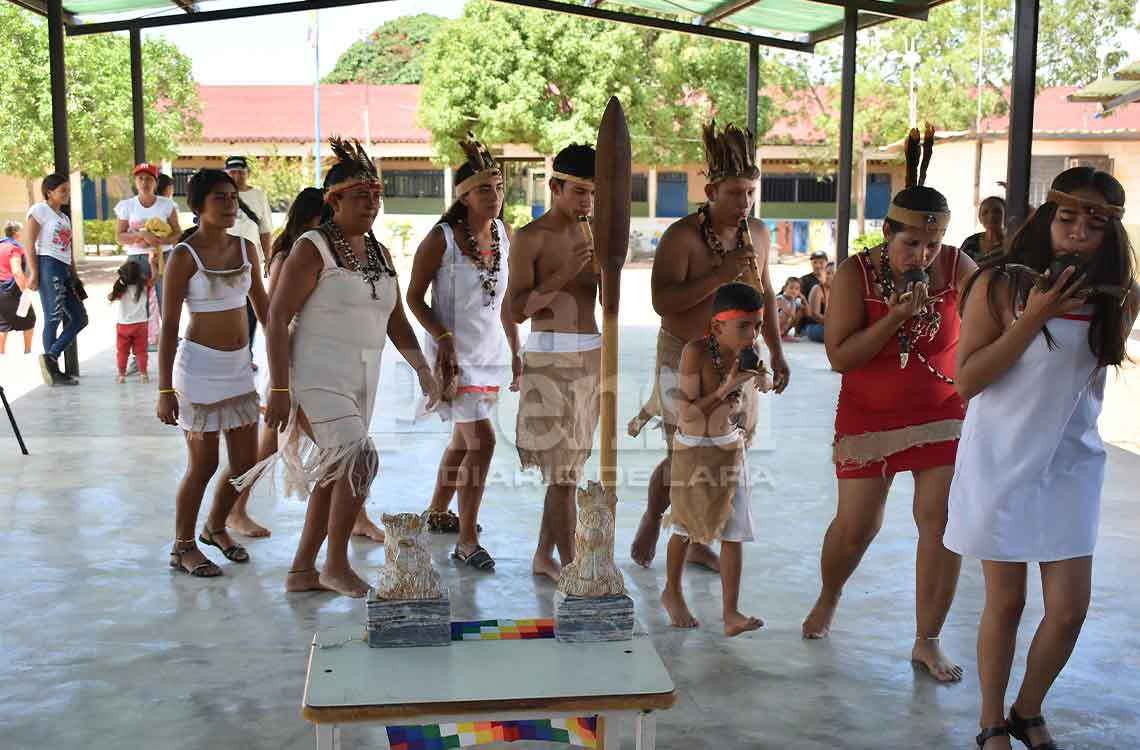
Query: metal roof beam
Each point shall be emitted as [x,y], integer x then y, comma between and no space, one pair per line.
[39,7]
[187,5]
[836,30]
[226,14]
[887,10]
[724,10]
[665,24]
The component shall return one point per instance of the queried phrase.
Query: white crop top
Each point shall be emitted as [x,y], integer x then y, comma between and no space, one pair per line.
[214,291]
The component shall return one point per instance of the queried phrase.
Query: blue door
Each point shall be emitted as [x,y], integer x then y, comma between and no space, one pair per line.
[672,194]
[89,208]
[878,195]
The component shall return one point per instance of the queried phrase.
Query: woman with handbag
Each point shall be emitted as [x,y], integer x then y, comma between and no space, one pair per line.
[52,271]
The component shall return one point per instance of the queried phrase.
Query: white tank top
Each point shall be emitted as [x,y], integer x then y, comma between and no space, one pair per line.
[458,303]
[212,290]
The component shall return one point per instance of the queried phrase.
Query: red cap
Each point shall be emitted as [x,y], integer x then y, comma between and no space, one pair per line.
[149,169]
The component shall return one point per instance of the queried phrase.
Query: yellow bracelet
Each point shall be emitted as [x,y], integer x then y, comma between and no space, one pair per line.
[444,335]
[166,390]
[279,390]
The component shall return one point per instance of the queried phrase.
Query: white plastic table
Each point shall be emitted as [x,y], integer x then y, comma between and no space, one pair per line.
[622,682]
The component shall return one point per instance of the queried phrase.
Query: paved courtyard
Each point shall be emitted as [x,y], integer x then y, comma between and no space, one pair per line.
[106,648]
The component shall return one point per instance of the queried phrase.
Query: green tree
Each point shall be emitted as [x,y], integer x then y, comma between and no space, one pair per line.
[281,177]
[393,53]
[515,75]
[98,99]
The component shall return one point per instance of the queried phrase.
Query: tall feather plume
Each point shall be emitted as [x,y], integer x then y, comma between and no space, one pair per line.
[477,154]
[351,152]
[911,150]
[732,154]
[927,152]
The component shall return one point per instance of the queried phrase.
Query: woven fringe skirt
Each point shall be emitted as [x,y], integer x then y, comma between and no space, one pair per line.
[216,389]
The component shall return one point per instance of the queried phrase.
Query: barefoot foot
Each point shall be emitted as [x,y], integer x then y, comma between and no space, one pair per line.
[366,528]
[345,582]
[644,547]
[817,625]
[679,614]
[929,654]
[736,623]
[546,566]
[246,526]
[304,580]
[703,555]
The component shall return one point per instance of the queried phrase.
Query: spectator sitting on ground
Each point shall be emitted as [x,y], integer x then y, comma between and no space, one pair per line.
[789,306]
[818,267]
[817,308]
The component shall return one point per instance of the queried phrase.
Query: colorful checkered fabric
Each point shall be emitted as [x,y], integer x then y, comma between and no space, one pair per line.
[502,630]
[579,732]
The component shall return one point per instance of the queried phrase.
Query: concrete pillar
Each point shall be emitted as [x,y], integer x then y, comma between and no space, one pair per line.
[651,190]
[78,248]
[448,187]
[759,184]
[529,188]
[548,167]
[167,167]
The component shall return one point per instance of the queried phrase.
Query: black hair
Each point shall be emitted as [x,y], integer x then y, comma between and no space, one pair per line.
[130,275]
[164,181]
[352,162]
[1113,263]
[737,296]
[51,182]
[458,210]
[308,205]
[577,159]
[789,280]
[993,199]
[201,184]
[917,198]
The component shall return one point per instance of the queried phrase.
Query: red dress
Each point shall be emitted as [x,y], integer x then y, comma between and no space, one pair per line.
[891,419]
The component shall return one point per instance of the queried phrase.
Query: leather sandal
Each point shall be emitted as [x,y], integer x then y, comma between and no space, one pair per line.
[234,553]
[989,733]
[1019,725]
[206,569]
[478,558]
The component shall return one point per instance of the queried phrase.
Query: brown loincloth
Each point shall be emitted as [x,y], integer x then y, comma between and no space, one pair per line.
[559,398]
[703,481]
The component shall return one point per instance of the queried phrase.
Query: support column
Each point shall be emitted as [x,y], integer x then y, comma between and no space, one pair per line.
[62,156]
[548,166]
[137,109]
[529,172]
[846,134]
[651,192]
[1021,112]
[754,109]
[448,187]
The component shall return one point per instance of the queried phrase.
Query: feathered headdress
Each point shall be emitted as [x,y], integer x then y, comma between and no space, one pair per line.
[480,160]
[351,152]
[918,150]
[730,154]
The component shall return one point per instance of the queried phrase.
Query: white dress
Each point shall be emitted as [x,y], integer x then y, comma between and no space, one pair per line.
[1030,463]
[480,342]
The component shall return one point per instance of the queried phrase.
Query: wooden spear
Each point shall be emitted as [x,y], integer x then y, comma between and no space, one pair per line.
[613,178]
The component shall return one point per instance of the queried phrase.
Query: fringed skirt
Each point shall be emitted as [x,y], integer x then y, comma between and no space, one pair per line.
[334,389]
[216,389]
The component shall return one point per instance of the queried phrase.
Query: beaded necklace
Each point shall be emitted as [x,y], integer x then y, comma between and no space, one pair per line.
[488,270]
[736,394]
[714,243]
[375,265]
[924,324]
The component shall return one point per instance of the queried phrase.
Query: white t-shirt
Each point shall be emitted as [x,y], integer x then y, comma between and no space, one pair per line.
[54,239]
[245,226]
[130,310]
[132,211]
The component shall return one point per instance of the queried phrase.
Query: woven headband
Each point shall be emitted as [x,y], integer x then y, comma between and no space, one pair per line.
[480,178]
[360,186]
[1093,208]
[587,181]
[928,220]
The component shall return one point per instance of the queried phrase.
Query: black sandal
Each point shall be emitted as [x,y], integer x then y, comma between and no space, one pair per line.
[234,553]
[479,558]
[989,733]
[1018,727]
[205,569]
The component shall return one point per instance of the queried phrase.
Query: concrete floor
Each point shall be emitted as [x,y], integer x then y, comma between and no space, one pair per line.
[105,648]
